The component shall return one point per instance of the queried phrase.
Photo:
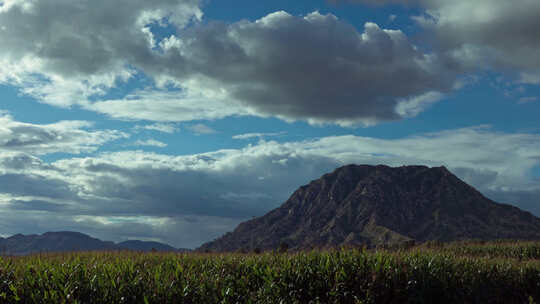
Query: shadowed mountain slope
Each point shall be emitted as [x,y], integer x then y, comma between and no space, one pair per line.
[374,205]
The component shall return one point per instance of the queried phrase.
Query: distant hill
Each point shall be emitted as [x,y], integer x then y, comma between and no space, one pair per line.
[63,241]
[148,246]
[374,205]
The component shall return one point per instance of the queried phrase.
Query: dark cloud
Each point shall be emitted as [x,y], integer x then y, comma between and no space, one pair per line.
[37,205]
[315,68]
[240,190]
[527,200]
[35,185]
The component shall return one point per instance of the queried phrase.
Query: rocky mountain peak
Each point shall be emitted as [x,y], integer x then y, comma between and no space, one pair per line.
[371,205]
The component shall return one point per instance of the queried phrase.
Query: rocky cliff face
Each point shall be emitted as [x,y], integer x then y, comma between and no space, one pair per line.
[373,205]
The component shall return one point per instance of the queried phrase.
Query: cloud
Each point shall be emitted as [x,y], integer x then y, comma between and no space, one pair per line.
[165,106]
[141,194]
[257,135]
[151,143]
[65,52]
[500,34]
[413,106]
[492,34]
[377,2]
[159,127]
[179,231]
[35,185]
[530,77]
[527,99]
[63,136]
[200,129]
[314,68]
[527,200]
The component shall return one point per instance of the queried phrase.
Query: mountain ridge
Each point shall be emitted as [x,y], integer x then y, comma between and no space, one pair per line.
[147,246]
[63,241]
[377,205]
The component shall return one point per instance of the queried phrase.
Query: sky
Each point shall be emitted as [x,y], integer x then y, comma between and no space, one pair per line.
[175,120]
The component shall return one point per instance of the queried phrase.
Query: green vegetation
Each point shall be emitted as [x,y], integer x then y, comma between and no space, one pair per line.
[500,272]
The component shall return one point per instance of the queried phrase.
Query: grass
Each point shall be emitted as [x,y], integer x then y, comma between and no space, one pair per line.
[497,272]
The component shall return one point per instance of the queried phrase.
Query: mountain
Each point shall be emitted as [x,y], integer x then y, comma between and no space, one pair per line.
[137,245]
[375,205]
[52,242]
[63,241]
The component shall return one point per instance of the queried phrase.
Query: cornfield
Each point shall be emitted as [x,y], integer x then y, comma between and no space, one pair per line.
[496,272]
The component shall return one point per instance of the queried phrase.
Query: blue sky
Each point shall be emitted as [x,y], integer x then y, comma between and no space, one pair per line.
[175,120]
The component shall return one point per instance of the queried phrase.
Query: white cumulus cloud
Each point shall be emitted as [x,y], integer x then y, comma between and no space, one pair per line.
[151,143]
[64,52]
[159,127]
